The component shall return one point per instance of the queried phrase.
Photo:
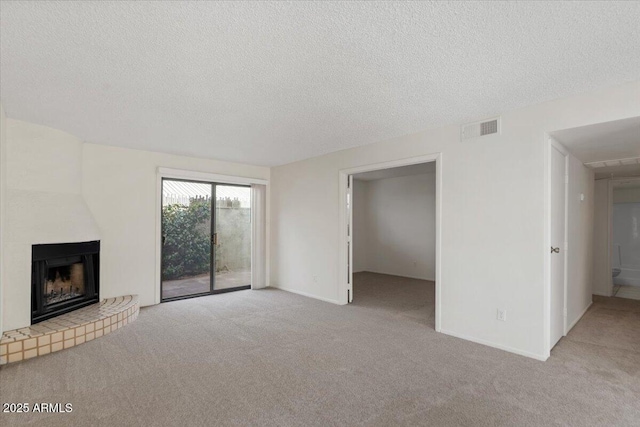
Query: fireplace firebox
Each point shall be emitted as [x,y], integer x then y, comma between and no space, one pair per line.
[64,277]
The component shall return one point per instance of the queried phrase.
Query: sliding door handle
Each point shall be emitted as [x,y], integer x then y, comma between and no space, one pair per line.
[214,239]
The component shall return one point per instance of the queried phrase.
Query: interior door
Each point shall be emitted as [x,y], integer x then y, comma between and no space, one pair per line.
[350,238]
[186,239]
[558,249]
[232,238]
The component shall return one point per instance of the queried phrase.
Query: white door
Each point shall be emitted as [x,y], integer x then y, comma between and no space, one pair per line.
[350,238]
[558,253]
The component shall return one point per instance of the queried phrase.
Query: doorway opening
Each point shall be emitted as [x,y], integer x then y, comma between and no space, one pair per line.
[593,211]
[206,238]
[394,240]
[624,237]
[391,226]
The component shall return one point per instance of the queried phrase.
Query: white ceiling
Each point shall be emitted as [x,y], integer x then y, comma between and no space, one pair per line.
[273,82]
[611,149]
[419,169]
[619,139]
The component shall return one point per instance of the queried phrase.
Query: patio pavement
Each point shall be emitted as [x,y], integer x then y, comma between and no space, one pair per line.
[200,284]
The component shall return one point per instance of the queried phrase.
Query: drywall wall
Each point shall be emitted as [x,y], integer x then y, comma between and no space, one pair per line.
[580,229]
[3,184]
[601,271]
[494,242]
[44,204]
[626,195]
[397,235]
[119,186]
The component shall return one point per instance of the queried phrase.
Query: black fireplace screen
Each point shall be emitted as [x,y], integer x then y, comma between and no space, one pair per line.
[65,277]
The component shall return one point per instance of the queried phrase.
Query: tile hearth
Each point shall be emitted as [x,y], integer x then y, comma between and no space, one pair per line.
[68,330]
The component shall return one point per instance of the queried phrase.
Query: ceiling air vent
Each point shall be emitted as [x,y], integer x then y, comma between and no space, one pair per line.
[478,129]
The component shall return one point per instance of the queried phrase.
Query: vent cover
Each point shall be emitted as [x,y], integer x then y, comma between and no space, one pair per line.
[478,129]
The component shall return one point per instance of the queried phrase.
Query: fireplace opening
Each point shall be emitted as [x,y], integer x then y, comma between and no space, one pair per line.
[65,277]
[64,283]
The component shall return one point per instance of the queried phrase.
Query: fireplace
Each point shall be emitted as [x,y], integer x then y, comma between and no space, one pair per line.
[64,277]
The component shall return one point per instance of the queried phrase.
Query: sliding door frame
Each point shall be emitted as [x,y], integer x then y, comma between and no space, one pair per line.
[213,242]
[212,255]
[203,178]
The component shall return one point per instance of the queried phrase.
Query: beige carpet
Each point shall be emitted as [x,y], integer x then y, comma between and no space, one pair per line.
[274,358]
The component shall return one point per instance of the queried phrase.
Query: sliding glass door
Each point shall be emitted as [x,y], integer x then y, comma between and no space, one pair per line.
[206,238]
[232,237]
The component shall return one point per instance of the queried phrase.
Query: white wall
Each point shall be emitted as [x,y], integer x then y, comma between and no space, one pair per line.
[580,228]
[3,184]
[626,195]
[119,186]
[494,243]
[44,204]
[397,231]
[601,227]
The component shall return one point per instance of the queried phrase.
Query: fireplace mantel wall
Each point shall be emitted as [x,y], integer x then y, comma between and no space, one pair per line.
[44,204]
[3,187]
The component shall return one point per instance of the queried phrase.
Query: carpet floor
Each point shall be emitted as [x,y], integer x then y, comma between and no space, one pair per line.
[270,357]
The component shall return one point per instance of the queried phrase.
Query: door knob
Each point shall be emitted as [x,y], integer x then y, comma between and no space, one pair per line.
[555,250]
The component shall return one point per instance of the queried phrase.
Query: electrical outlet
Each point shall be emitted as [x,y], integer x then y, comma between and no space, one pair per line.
[502,314]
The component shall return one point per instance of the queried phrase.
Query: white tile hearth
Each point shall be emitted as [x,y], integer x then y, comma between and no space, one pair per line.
[69,329]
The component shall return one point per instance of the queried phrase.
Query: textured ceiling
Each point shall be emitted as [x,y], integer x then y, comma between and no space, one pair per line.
[273,82]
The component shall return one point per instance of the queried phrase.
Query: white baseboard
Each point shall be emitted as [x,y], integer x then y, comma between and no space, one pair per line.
[578,319]
[305,294]
[498,346]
